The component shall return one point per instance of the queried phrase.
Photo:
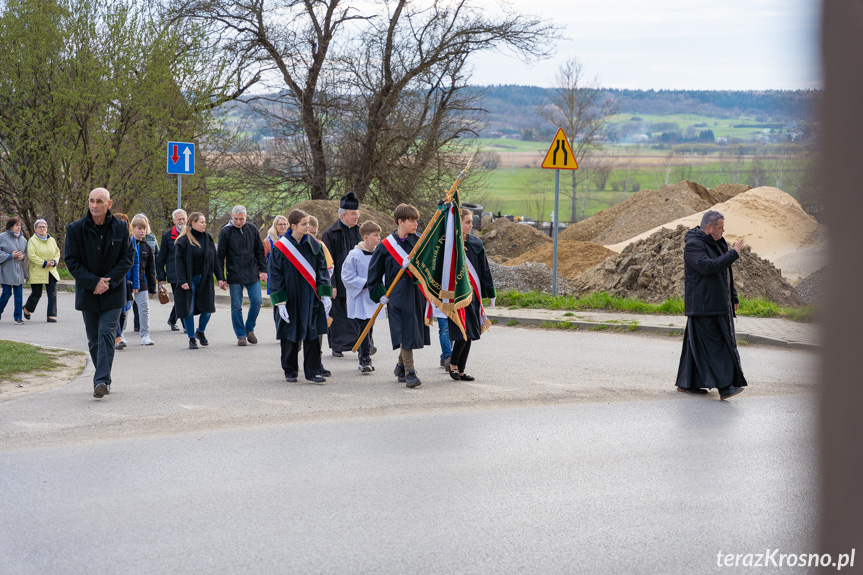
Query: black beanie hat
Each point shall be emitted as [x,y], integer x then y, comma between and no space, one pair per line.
[350,201]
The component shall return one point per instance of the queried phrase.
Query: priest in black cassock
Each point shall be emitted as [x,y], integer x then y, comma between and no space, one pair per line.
[709,358]
[340,239]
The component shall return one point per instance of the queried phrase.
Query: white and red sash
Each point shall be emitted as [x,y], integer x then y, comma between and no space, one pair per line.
[402,258]
[299,262]
[475,284]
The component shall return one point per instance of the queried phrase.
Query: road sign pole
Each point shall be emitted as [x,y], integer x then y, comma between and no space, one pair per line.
[554,223]
[179,192]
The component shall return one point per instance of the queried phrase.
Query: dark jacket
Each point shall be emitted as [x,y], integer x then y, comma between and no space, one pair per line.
[242,253]
[147,275]
[708,279]
[205,298]
[475,252]
[165,267]
[92,254]
[340,240]
[288,286]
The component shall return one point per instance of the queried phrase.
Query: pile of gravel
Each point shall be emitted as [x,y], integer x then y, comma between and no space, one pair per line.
[526,277]
[811,288]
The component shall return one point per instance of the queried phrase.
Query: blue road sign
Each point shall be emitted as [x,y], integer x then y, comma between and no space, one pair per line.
[181,158]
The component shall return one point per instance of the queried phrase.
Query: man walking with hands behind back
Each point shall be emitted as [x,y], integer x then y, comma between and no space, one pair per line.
[100,252]
[241,251]
[709,358]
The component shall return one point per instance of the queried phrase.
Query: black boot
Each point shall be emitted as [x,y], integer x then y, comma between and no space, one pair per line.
[192,343]
[411,379]
[399,372]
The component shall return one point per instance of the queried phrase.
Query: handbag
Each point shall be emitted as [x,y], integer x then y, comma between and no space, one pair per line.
[163,294]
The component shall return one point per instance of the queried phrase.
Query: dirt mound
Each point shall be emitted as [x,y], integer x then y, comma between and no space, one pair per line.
[724,192]
[772,223]
[652,269]
[811,288]
[504,239]
[645,210]
[327,212]
[526,277]
[573,257]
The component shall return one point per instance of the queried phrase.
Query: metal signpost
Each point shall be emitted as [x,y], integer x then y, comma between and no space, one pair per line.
[181,161]
[559,157]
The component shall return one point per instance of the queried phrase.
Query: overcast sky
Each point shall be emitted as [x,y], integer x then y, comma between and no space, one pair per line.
[674,44]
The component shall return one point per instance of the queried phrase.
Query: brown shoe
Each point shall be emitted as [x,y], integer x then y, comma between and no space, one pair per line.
[251,337]
[242,341]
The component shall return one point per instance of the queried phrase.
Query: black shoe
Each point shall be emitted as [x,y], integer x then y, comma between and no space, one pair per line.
[26,315]
[192,343]
[291,378]
[695,390]
[453,373]
[326,372]
[338,354]
[173,326]
[366,366]
[21,321]
[101,390]
[444,361]
[316,379]
[109,390]
[466,377]
[52,320]
[411,379]
[137,330]
[399,372]
[730,391]
[202,338]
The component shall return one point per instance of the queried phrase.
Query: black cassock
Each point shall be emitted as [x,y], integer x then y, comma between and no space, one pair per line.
[344,331]
[475,252]
[305,309]
[406,308]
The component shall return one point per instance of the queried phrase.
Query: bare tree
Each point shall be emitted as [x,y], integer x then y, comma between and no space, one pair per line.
[578,106]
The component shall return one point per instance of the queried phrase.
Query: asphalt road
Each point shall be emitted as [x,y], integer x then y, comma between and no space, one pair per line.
[570,453]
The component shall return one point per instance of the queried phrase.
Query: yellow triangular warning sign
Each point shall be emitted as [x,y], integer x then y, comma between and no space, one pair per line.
[559,155]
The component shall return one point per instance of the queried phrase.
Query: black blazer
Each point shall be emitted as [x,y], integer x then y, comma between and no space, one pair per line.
[205,299]
[707,276]
[92,254]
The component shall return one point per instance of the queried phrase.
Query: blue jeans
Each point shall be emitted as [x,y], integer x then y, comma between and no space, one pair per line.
[254,289]
[8,290]
[443,335]
[204,318]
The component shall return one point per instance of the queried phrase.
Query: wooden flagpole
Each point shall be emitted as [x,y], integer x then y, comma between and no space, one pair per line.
[447,199]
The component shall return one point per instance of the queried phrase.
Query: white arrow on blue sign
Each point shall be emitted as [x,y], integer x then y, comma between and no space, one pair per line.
[181,158]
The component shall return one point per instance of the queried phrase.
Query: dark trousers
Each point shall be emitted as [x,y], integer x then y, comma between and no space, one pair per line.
[101,329]
[366,345]
[137,319]
[172,319]
[311,357]
[460,351]
[36,295]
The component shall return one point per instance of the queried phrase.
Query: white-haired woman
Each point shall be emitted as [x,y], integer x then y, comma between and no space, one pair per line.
[43,255]
[279,228]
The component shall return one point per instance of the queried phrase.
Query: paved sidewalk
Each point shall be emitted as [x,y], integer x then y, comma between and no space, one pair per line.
[760,330]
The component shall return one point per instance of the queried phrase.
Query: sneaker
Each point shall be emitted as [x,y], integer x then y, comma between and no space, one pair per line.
[444,360]
[317,379]
[399,372]
[101,390]
[173,326]
[242,342]
[109,390]
[202,338]
[291,377]
[250,336]
[366,368]
[119,343]
[147,341]
[192,343]
[19,321]
[338,354]
[729,392]
[411,379]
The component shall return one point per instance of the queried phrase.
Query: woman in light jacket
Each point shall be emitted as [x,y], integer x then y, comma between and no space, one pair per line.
[43,256]
[13,271]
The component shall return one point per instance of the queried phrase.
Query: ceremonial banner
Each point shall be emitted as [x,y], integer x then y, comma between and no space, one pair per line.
[438,262]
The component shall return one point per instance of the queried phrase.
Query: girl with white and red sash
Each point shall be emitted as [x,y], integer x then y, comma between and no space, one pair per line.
[406,309]
[473,316]
[300,290]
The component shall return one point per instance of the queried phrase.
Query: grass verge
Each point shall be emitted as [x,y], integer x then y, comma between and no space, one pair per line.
[756,307]
[22,357]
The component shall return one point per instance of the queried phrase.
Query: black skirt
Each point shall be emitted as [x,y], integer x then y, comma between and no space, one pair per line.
[709,358]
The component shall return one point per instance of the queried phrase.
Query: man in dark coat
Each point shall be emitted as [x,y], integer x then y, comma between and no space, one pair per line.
[710,358]
[100,252]
[165,261]
[241,251]
[340,239]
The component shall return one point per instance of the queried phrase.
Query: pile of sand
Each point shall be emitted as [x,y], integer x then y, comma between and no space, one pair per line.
[651,269]
[527,276]
[646,209]
[768,220]
[504,239]
[327,212]
[573,257]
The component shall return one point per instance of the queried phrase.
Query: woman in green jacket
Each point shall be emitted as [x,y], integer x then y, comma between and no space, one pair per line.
[43,255]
